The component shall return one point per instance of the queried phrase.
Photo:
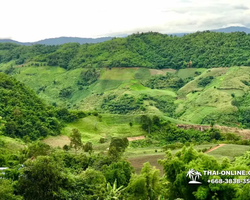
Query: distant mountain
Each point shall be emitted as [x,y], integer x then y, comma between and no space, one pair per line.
[59,41]
[13,41]
[221,30]
[233,29]
[63,40]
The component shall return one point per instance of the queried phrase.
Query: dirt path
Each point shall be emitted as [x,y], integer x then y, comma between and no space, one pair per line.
[136,138]
[220,145]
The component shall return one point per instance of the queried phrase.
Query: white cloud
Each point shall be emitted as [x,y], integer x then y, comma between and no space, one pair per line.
[30,20]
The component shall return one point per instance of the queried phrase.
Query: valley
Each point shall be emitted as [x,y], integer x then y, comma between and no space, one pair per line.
[126,111]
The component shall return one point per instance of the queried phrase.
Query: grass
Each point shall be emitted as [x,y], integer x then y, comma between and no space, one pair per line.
[229,150]
[193,102]
[189,72]
[12,145]
[92,129]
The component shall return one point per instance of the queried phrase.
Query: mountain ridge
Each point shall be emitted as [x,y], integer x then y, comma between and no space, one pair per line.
[63,39]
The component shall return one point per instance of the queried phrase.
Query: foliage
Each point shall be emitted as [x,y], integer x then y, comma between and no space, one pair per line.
[113,192]
[92,184]
[146,185]
[205,49]
[120,172]
[42,179]
[75,139]
[205,81]
[141,143]
[88,147]
[164,82]
[119,143]
[37,149]
[66,92]
[24,113]
[7,191]
[176,168]
[122,105]
[88,77]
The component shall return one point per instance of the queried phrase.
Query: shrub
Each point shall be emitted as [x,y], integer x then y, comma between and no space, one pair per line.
[205,81]
[102,140]
[141,143]
[66,147]
[88,147]
[66,92]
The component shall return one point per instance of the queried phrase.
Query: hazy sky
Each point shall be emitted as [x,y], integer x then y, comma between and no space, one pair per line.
[32,20]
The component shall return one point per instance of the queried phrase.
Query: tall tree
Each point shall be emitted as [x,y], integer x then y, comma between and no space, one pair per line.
[75,140]
[42,179]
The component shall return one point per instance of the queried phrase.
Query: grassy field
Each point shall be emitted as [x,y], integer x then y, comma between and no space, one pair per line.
[193,102]
[92,129]
[229,150]
[12,145]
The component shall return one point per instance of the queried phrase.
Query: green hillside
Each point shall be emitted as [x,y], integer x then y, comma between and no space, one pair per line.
[24,115]
[197,96]
[151,50]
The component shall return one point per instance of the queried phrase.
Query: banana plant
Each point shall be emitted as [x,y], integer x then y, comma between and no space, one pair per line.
[113,192]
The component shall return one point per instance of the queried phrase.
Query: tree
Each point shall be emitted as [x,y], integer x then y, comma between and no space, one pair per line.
[88,147]
[2,123]
[92,184]
[37,149]
[119,143]
[7,191]
[117,147]
[42,178]
[146,123]
[146,185]
[75,140]
[185,163]
[118,171]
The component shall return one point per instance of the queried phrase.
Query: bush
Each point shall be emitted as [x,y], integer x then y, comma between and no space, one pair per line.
[88,147]
[102,140]
[231,137]
[66,147]
[205,81]
[141,143]
[66,92]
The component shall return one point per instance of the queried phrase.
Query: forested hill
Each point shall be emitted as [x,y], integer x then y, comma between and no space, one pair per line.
[152,50]
[24,115]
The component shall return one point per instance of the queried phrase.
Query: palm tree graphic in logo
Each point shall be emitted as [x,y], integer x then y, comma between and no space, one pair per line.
[192,174]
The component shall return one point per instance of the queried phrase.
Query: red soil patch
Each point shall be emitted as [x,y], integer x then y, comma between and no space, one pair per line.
[136,138]
[220,145]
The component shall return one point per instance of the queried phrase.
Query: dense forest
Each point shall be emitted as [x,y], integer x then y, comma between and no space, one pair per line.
[26,116]
[152,50]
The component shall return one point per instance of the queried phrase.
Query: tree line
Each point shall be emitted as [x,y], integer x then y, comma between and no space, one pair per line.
[152,50]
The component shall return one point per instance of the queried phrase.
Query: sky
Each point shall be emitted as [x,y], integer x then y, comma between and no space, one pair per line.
[33,20]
